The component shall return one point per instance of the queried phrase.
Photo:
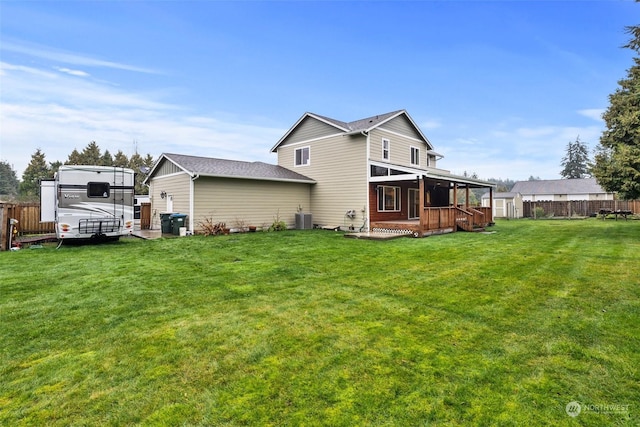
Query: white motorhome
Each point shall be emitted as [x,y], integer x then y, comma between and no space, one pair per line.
[89,202]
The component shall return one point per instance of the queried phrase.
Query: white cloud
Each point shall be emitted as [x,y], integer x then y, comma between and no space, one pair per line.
[58,113]
[514,153]
[28,85]
[592,113]
[543,131]
[430,124]
[52,54]
[78,73]
[466,141]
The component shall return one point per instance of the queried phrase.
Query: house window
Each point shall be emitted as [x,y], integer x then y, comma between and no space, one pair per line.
[388,199]
[415,156]
[379,171]
[302,156]
[386,144]
[98,189]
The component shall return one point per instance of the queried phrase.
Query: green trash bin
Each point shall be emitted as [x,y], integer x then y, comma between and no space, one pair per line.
[178,220]
[165,223]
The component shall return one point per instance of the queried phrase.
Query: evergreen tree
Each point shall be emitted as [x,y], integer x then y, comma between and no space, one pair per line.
[91,154]
[106,159]
[576,162]
[74,158]
[135,162]
[120,160]
[54,166]
[148,161]
[36,171]
[617,159]
[8,180]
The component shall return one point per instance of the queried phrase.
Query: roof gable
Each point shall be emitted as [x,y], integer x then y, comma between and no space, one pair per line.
[208,166]
[363,125]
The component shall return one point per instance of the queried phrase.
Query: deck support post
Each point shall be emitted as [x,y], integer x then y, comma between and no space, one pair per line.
[455,195]
[491,204]
[421,185]
[466,198]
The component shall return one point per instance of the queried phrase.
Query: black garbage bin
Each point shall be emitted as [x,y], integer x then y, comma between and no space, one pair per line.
[165,222]
[178,220]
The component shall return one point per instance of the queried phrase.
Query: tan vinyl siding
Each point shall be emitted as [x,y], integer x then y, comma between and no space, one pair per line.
[174,185]
[248,202]
[376,147]
[403,126]
[167,168]
[400,149]
[339,166]
[309,129]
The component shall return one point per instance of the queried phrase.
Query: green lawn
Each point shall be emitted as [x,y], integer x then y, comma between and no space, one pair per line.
[310,328]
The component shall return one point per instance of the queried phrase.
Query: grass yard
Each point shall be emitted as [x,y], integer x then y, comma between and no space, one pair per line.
[310,328]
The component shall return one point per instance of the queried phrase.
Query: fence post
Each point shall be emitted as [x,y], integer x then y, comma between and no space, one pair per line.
[3,226]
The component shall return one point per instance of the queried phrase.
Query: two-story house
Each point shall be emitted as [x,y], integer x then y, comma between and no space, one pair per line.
[377,173]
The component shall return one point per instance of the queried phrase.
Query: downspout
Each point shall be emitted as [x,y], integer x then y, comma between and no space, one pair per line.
[367,213]
[192,201]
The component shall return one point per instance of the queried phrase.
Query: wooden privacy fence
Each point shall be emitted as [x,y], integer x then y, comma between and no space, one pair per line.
[578,207]
[28,216]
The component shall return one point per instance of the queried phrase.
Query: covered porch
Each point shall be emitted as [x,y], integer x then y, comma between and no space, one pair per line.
[431,203]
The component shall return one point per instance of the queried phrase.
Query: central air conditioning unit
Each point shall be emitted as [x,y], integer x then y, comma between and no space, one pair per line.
[303,221]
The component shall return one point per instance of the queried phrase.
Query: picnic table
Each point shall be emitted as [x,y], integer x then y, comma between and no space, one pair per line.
[623,213]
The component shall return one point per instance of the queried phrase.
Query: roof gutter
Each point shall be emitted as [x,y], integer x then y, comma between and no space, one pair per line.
[356,132]
[255,178]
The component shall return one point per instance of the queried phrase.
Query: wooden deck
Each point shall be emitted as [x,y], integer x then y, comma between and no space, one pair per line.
[438,220]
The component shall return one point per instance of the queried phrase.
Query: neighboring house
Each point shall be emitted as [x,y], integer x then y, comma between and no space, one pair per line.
[375,173]
[561,190]
[505,205]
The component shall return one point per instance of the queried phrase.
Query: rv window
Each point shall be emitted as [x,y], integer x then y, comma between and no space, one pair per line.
[98,189]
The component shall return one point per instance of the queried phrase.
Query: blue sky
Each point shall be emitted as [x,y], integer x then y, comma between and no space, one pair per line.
[499,87]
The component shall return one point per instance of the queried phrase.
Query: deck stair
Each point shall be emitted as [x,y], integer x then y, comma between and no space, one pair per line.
[464,219]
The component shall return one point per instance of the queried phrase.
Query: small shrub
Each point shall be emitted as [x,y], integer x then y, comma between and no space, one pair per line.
[241,225]
[278,224]
[538,212]
[209,228]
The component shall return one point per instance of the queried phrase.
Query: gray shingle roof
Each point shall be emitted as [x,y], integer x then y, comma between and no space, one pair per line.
[369,122]
[558,186]
[208,166]
[362,124]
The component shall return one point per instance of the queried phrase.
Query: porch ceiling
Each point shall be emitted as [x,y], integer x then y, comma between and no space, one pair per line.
[439,176]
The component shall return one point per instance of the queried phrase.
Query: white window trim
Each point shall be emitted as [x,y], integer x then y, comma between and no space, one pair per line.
[388,149]
[295,156]
[397,203]
[417,157]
